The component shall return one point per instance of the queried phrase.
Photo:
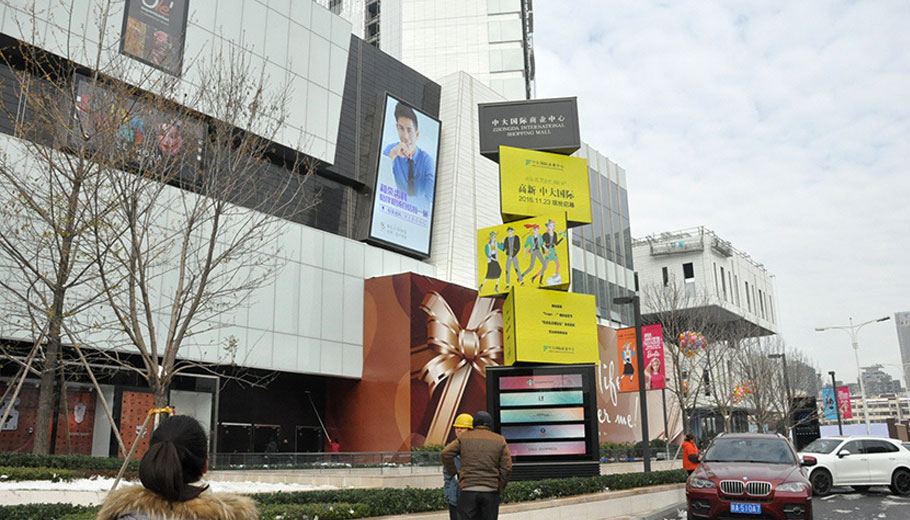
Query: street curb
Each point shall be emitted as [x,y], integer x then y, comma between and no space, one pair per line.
[667,512]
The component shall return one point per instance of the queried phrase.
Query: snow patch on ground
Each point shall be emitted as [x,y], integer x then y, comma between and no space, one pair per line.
[104,484]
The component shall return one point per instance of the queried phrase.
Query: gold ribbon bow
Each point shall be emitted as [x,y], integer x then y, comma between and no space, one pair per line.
[459,350]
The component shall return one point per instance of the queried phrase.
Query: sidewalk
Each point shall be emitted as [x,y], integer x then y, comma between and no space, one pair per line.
[611,505]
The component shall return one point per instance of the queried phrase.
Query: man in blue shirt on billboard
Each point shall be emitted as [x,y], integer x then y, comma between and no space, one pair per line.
[412,167]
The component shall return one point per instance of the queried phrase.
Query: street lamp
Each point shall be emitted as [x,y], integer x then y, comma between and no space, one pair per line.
[840,425]
[640,360]
[853,331]
[783,356]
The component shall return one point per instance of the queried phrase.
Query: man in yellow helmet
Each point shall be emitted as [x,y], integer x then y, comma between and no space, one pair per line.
[450,487]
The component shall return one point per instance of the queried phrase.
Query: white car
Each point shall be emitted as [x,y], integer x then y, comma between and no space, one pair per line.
[858,462]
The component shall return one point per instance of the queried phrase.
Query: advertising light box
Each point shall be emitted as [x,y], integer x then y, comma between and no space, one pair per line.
[548,416]
[549,327]
[405,189]
[532,252]
[538,183]
[626,357]
[154,31]
[549,125]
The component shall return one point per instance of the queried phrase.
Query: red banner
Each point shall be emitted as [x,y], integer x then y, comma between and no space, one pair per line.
[843,400]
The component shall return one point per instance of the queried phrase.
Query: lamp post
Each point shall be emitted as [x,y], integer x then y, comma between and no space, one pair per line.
[840,425]
[640,361]
[783,356]
[853,331]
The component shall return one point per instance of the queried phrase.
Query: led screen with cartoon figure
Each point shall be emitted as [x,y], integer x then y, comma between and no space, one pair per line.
[531,252]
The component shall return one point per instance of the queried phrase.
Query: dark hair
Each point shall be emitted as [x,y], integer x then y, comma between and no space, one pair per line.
[690,437]
[483,419]
[404,110]
[176,457]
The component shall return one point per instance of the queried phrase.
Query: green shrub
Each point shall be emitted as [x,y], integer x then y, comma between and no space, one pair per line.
[46,512]
[427,447]
[405,501]
[336,511]
[27,460]
[53,474]
[85,515]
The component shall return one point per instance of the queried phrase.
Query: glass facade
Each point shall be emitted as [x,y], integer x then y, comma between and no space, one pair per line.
[602,252]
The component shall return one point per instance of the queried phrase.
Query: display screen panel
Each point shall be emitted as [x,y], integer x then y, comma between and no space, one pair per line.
[154,32]
[405,190]
[545,413]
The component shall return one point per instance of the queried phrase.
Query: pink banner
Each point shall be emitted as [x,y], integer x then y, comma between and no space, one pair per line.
[655,371]
[843,400]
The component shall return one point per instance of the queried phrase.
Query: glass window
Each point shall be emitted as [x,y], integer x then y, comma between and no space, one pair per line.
[723,282]
[873,446]
[624,202]
[689,271]
[666,276]
[716,287]
[578,281]
[822,446]
[853,447]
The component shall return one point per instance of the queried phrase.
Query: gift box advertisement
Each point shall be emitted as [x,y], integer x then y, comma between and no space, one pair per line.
[427,344]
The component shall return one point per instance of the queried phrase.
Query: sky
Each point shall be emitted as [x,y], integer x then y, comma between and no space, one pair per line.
[782,126]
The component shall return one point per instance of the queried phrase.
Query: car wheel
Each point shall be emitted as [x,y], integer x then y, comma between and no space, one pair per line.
[861,489]
[900,482]
[821,482]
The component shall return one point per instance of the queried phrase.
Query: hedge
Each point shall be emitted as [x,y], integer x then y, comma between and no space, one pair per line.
[383,502]
[53,474]
[360,503]
[337,511]
[47,512]
[83,462]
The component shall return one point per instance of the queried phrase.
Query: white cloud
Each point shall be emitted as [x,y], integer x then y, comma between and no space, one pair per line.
[784,126]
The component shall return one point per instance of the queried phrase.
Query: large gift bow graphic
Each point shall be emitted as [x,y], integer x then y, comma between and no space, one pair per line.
[458,351]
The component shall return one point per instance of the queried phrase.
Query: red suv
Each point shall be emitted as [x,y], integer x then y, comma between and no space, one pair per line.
[749,475]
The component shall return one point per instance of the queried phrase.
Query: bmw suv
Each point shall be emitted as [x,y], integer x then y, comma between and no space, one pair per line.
[749,475]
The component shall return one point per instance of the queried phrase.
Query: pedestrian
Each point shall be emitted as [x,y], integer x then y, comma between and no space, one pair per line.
[689,448]
[463,423]
[170,472]
[485,469]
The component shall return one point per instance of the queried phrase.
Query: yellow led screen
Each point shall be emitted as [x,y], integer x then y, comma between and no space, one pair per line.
[540,183]
[549,327]
[532,253]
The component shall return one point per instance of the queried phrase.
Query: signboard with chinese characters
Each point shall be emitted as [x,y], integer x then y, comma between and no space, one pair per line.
[549,125]
[154,32]
[549,327]
[405,188]
[532,252]
[538,183]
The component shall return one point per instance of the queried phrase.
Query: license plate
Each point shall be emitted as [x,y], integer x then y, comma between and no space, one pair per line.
[749,509]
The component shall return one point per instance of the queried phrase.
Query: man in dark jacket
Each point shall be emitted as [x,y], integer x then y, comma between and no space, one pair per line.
[485,468]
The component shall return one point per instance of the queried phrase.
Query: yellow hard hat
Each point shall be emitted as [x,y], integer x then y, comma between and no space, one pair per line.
[464,421]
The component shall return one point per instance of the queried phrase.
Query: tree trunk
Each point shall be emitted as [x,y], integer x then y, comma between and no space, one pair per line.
[48,391]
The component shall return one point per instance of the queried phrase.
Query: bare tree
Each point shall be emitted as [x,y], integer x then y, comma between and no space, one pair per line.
[678,308]
[194,234]
[129,222]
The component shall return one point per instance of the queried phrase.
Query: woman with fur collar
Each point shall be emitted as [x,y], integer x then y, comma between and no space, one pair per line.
[176,459]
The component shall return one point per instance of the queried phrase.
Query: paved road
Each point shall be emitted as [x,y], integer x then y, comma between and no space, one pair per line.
[846,504]
[842,504]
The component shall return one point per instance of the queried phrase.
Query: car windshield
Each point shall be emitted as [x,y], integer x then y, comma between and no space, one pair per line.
[763,451]
[822,446]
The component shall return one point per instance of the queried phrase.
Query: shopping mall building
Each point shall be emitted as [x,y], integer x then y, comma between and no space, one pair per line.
[340,328]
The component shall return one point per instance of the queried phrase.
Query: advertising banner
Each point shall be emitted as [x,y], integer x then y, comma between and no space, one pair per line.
[532,252]
[828,401]
[154,32]
[405,188]
[626,352]
[655,371]
[538,183]
[549,327]
[619,413]
[549,125]
[139,131]
[843,399]
[426,347]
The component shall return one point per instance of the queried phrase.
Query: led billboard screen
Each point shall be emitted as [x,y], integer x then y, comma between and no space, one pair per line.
[405,188]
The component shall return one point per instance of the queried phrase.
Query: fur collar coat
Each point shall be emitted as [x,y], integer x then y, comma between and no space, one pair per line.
[138,503]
